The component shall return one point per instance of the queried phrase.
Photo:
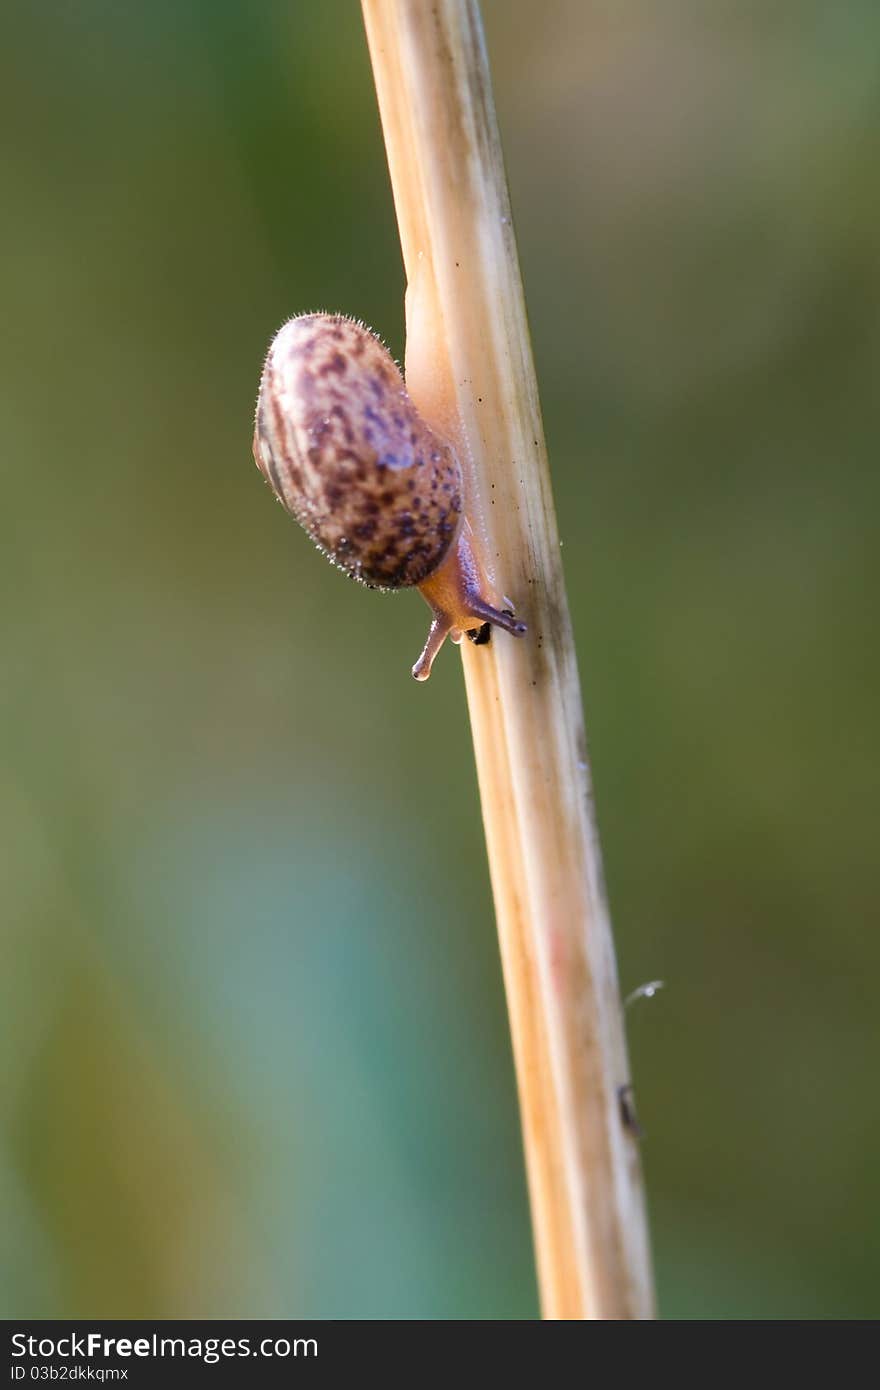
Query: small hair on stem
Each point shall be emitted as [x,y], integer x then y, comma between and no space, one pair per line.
[646,991]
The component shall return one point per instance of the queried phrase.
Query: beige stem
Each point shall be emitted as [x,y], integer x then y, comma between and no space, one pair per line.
[470,372]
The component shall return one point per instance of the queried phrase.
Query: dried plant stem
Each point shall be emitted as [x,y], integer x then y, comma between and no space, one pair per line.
[469,369]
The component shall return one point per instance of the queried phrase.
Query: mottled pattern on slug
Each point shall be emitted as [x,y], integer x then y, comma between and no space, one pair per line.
[344,449]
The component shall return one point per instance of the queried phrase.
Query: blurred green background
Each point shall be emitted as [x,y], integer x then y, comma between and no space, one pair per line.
[255,1058]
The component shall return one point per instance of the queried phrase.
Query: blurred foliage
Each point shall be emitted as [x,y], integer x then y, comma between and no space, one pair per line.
[255,1058]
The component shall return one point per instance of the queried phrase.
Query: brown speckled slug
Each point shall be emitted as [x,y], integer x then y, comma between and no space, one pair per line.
[378,491]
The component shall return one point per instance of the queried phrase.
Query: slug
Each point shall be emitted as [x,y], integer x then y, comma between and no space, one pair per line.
[379,492]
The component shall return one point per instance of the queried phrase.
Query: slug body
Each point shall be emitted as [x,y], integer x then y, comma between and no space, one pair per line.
[380,493]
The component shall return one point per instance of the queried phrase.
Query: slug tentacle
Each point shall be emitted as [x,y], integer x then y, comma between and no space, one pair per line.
[379,492]
[437,634]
